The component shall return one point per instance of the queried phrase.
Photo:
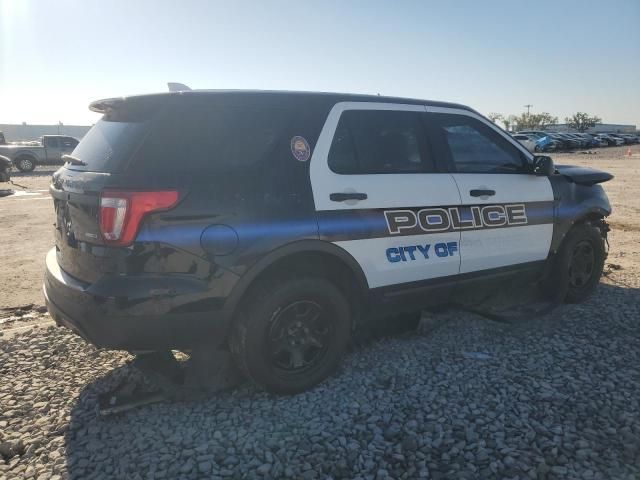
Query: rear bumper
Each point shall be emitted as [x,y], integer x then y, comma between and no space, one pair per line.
[115,313]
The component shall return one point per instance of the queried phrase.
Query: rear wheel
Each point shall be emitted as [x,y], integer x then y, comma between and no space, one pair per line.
[578,265]
[292,334]
[25,164]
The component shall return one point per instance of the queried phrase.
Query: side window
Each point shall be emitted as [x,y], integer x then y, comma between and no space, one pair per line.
[51,142]
[379,141]
[476,148]
[211,139]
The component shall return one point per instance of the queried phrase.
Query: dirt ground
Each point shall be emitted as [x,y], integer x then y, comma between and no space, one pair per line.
[27,218]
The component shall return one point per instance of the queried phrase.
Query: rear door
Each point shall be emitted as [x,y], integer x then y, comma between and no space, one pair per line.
[52,149]
[374,177]
[507,213]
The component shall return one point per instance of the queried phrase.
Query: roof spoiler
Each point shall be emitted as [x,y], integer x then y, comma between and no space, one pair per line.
[177,87]
[105,105]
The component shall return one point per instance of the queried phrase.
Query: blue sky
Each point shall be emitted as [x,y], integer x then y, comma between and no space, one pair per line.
[561,56]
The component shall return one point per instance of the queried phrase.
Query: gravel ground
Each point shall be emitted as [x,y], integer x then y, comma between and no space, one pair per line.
[554,397]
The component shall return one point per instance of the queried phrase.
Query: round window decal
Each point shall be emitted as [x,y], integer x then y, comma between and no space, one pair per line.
[300,148]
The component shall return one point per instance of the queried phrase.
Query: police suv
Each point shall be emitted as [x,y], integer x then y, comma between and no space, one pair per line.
[272,223]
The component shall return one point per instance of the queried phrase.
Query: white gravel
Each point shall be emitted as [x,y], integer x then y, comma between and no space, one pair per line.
[554,397]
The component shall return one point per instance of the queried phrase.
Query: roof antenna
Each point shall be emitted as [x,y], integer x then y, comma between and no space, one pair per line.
[178,87]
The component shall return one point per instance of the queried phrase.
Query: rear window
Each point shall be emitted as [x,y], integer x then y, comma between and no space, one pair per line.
[108,146]
[210,138]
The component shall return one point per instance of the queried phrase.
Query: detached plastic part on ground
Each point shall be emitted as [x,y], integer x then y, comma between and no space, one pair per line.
[205,372]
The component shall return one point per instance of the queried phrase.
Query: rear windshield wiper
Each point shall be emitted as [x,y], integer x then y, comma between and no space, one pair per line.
[74,160]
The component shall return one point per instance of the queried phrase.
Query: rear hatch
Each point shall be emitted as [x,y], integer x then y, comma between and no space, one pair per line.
[98,163]
[148,152]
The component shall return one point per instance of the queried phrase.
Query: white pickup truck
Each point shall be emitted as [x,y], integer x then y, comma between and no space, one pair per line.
[47,150]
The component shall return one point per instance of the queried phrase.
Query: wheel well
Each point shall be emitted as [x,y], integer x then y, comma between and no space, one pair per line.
[595,219]
[317,264]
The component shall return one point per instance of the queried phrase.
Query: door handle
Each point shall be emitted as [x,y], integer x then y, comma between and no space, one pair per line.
[341,197]
[482,193]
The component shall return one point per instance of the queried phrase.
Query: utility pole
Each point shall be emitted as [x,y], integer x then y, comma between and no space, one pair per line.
[528,107]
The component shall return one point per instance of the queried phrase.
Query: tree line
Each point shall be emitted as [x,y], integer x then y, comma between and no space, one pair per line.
[579,121]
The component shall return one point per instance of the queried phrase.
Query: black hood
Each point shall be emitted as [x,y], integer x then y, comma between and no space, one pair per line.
[583,175]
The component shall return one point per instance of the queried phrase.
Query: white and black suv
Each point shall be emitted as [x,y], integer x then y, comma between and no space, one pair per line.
[273,222]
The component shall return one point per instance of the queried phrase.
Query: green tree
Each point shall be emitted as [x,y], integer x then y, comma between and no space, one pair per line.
[542,120]
[494,117]
[509,122]
[582,121]
[533,121]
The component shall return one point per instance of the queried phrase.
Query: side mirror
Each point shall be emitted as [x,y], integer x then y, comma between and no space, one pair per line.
[543,166]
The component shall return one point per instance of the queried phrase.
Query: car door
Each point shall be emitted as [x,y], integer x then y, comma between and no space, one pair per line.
[52,148]
[507,215]
[373,176]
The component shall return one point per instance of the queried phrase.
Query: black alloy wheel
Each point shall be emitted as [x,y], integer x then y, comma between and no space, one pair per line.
[292,333]
[299,335]
[582,265]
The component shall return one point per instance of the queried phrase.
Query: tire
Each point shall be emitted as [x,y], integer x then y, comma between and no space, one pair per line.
[25,163]
[578,266]
[292,334]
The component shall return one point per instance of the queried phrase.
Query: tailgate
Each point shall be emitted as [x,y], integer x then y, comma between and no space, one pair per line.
[79,247]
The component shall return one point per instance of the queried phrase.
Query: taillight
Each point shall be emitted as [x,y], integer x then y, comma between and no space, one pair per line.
[122,211]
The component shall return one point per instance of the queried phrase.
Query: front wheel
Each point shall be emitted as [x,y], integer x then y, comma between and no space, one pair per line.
[578,265]
[292,334]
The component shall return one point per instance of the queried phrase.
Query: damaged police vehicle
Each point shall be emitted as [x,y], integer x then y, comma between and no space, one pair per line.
[272,223]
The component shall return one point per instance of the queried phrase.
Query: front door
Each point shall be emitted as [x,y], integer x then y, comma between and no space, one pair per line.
[379,194]
[507,215]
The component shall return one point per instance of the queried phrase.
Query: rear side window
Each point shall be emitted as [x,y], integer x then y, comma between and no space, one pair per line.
[66,142]
[209,138]
[379,141]
[475,147]
[109,144]
[51,142]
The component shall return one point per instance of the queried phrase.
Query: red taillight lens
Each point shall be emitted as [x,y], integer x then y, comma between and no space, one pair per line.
[122,211]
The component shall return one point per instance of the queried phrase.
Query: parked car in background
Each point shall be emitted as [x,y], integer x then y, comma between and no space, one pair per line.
[544,143]
[611,140]
[562,142]
[628,138]
[583,142]
[602,142]
[575,142]
[48,150]
[528,142]
[591,140]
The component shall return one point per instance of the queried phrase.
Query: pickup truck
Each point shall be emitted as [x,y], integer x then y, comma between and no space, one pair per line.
[47,150]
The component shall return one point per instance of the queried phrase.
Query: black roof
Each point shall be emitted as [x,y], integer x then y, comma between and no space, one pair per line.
[274,97]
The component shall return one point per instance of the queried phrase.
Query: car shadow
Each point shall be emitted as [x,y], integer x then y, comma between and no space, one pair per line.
[96,443]
[36,173]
